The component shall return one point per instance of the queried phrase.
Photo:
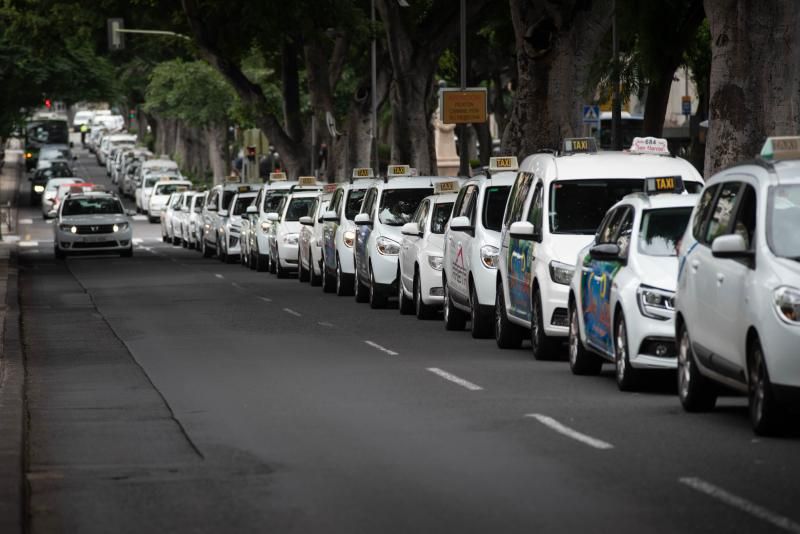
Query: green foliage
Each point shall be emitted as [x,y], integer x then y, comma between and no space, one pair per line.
[190,91]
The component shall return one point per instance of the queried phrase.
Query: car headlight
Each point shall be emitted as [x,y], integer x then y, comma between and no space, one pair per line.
[265,226]
[290,239]
[38,188]
[387,247]
[655,303]
[435,262]
[489,256]
[349,238]
[561,273]
[120,226]
[787,302]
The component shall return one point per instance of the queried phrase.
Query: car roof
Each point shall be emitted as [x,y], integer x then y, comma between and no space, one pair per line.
[304,193]
[611,164]
[497,178]
[662,201]
[160,163]
[767,173]
[443,198]
[94,194]
[412,182]
[176,182]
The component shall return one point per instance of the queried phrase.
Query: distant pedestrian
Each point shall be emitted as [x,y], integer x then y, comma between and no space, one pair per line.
[84,129]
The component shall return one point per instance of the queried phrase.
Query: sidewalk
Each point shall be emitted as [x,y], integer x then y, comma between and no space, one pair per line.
[12,373]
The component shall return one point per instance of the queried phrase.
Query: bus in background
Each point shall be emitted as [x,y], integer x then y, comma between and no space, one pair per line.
[40,132]
[630,127]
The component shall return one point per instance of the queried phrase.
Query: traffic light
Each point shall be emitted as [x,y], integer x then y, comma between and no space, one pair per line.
[47,103]
[132,114]
[251,152]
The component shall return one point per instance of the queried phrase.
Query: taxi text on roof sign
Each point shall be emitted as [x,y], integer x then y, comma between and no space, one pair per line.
[781,148]
[363,172]
[650,145]
[578,145]
[244,188]
[663,184]
[277,177]
[449,186]
[305,181]
[398,170]
[503,163]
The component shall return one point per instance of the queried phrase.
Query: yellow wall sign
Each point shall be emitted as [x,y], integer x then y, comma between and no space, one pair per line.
[463,107]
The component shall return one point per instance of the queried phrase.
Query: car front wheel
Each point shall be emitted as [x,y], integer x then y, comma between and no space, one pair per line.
[696,392]
[581,361]
[766,414]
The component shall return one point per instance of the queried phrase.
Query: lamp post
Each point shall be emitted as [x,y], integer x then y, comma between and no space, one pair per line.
[373,150]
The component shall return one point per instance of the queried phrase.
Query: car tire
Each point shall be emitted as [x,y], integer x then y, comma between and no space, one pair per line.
[454,319]
[302,273]
[542,346]
[404,304]
[280,272]
[481,323]
[423,311]
[766,415]
[359,291]
[377,296]
[127,253]
[696,392]
[316,279]
[507,335]
[330,284]
[342,288]
[262,263]
[207,251]
[581,361]
[627,377]
[59,254]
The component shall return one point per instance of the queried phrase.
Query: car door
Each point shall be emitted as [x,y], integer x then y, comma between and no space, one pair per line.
[509,246]
[463,242]
[363,231]
[521,253]
[706,329]
[208,216]
[450,249]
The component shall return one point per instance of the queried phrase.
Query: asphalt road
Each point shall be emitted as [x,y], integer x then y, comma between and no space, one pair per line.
[283,409]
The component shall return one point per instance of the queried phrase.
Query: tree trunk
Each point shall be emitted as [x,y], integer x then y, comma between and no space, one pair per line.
[485,140]
[755,77]
[556,43]
[655,107]
[215,140]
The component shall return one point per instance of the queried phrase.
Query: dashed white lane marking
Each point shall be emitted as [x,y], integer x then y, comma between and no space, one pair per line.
[742,504]
[219,275]
[325,323]
[380,348]
[137,240]
[49,221]
[237,286]
[265,299]
[292,312]
[26,221]
[570,433]
[28,243]
[139,217]
[455,379]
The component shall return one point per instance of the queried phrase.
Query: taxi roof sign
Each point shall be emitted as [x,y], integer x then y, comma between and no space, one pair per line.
[277,177]
[363,172]
[244,188]
[233,178]
[447,186]
[330,188]
[307,181]
[579,145]
[650,145]
[781,148]
[663,184]
[503,163]
[394,171]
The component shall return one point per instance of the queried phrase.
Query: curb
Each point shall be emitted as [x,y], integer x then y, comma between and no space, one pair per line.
[12,401]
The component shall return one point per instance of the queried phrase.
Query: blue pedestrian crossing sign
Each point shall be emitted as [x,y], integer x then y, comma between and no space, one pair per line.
[591,114]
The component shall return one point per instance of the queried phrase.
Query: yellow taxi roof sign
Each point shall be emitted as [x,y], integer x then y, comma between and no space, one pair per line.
[579,145]
[503,163]
[307,181]
[649,145]
[447,186]
[394,171]
[277,177]
[363,172]
[663,184]
[781,148]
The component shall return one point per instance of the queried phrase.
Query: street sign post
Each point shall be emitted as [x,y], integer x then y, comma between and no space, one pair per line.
[686,105]
[591,114]
[466,106]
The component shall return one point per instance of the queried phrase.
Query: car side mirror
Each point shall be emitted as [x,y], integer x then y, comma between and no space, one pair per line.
[251,210]
[522,230]
[306,221]
[605,252]
[363,219]
[411,229]
[273,217]
[223,213]
[461,224]
[730,246]
[330,216]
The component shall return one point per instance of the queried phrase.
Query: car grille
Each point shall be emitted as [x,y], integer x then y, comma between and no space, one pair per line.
[99,244]
[95,229]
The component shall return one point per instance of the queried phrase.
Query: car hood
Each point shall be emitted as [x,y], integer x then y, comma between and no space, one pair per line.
[435,244]
[658,271]
[565,248]
[289,227]
[392,232]
[94,219]
[787,271]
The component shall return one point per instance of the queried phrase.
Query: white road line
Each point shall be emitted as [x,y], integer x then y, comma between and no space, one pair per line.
[137,240]
[218,275]
[382,349]
[237,286]
[324,323]
[49,221]
[570,433]
[454,379]
[26,221]
[292,312]
[265,299]
[28,243]
[742,504]
[139,217]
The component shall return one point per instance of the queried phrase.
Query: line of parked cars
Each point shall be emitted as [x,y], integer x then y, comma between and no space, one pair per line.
[627,258]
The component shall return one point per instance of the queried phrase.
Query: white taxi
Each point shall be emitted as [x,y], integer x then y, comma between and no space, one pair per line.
[229,239]
[339,235]
[310,244]
[387,206]
[553,211]
[268,201]
[284,233]
[738,300]
[194,220]
[92,222]
[472,243]
[161,192]
[621,302]
[49,206]
[420,288]
[216,212]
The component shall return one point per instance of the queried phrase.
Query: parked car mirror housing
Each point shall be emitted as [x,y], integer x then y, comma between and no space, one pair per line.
[522,230]
[306,221]
[363,219]
[730,246]
[605,252]
[411,229]
[330,216]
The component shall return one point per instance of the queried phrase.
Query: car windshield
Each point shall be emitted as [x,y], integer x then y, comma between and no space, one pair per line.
[241,205]
[272,201]
[398,205]
[91,206]
[494,205]
[661,231]
[441,214]
[578,206]
[353,204]
[299,207]
[166,189]
[783,220]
